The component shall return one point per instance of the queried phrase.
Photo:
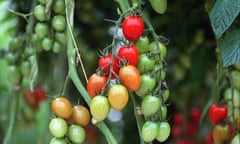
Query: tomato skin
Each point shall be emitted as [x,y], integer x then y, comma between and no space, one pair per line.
[130,77]
[62,107]
[118,96]
[195,115]
[220,133]
[142,44]
[217,113]
[61,37]
[129,53]
[150,105]
[95,84]
[76,134]
[145,63]
[178,119]
[147,84]
[40,94]
[132,27]
[149,131]
[164,131]
[80,115]
[58,127]
[104,64]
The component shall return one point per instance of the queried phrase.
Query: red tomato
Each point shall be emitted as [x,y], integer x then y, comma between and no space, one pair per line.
[217,113]
[178,119]
[132,28]
[30,99]
[195,115]
[130,77]
[40,94]
[104,63]
[96,84]
[129,53]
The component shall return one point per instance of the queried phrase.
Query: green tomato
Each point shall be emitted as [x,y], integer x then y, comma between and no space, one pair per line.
[11,58]
[163,112]
[142,44]
[149,131]
[56,47]
[76,134]
[59,6]
[157,48]
[235,75]
[236,139]
[43,2]
[159,6]
[58,141]
[14,75]
[58,127]
[15,43]
[39,13]
[150,105]
[41,29]
[29,51]
[25,68]
[163,132]
[47,43]
[166,95]
[145,63]
[234,95]
[59,23]
[160,74]
[61,37]
[147,84]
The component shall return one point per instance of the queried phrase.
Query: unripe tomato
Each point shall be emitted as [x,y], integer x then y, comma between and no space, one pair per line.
[76,134]
[39,13]
[59,23]
[220,133]
[99,108]
[40,94]
[62,107]
[129,53]
[159,6]
[96,84]
[105,62]
[237,122]
[217,113]
[132,28]
[147,84]
[118,96]
[59,6]
[163,112]
[150,105]
[56,47]
[58,141]
[25,68]
[234,95]
[236,139]
[235,76]
[130,77]
[145,63]
[80,115]
[166,95]
[142,44]
[47,43]
[14,74]
[43,2]
[61,37]
[160,73]
[164,131]
[41,30]
[156,47]
[58,127]
[149,131]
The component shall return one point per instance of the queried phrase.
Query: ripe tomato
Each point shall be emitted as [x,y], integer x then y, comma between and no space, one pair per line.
[62,107]
[149,131]
[96,84]
[59,23]
[150,105]
[147,84]
[80,115]
[217,113]
[145,63]
[58,127]
[195,115]
[164,131]
[76,134]
[99,108]
[58,141]
[178,119]
[40,94]
[130,77]
[118,96]
[142,44]
[220,133]
[105,62]
[129,53]
[132,27]
[30,99]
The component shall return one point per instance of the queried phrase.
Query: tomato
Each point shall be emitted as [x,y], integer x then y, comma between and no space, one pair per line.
[43,2]
[56,47]
[156,48]
[41,30]
[96,84]
[217,113]
[30,99]
[149,131]
[191,128]
[40,94]
[29,51]
[15,43]
[160,73]
[129,54]
[163,112]
[11,58]
[14,74]
[176,131]
[61,37]
[145,63]
[178,118]
[232,94]
[235,76]
[159,6]
[237,122]
[80,115]
[25,68]
[58,141]
[62,107]
[236,139]
[195,115]
[118,96]
[220,133]
[39,13]
[142,44]
[59,23]
[58,127]
[164,131]
[147,84]
[166,95]
[130,77]
[150,105]
[105,62]
[76,134]
[99,108]
[47,43]
[132,28]
[59,6]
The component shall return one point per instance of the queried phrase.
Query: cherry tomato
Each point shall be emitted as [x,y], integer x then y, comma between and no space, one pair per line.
[232,94]
[164,131]
[160,74]
[118,96]
[96,84]
[58,141]
[43,2]
[159,6]
[40,94]
[59,23]
[147,84]
[47,43]
[176,131]
[166,95]
[104,64]
[41,30]
[191,128]
[129,53]
[132,27]
[80,115]
[59,6]
[130,77]
[142,44]
[145,63]
[235,76]
[217,113]
[14,74]
[195,115]
[76,134]
[58,127]
[236,139]
[25,68]
[156,47]
[30,99]
[150,105]
[163,112]
[99,108]
[61,37]
[220,133]
[178,118]
[62,107]
[149,131]
[56,47]
[39,13]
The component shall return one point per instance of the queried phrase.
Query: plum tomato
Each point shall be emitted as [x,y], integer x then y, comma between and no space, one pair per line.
[58,127]
[61,107]
[129,54]
[105,63]
[80,115]
[217,113]
[150,105]
[76,134]
[164,131]
[147,84]
[149,131]
[96,84]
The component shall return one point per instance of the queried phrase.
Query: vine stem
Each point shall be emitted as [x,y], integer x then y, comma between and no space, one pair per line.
[71,53]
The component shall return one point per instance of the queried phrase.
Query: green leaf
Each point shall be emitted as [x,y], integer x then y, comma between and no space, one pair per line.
[230,48]
[223,14]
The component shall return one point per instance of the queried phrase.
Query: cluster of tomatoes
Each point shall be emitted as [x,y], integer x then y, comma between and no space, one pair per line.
[49,16]
[68,125]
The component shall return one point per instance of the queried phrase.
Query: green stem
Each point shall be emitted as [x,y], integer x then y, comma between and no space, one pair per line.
[124,4]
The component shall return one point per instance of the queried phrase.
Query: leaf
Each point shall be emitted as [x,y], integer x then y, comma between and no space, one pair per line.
[223,14]
[230,48]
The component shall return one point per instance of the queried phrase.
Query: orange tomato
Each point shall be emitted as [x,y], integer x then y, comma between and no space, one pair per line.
[61,107]
[96,84]
[80,115]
